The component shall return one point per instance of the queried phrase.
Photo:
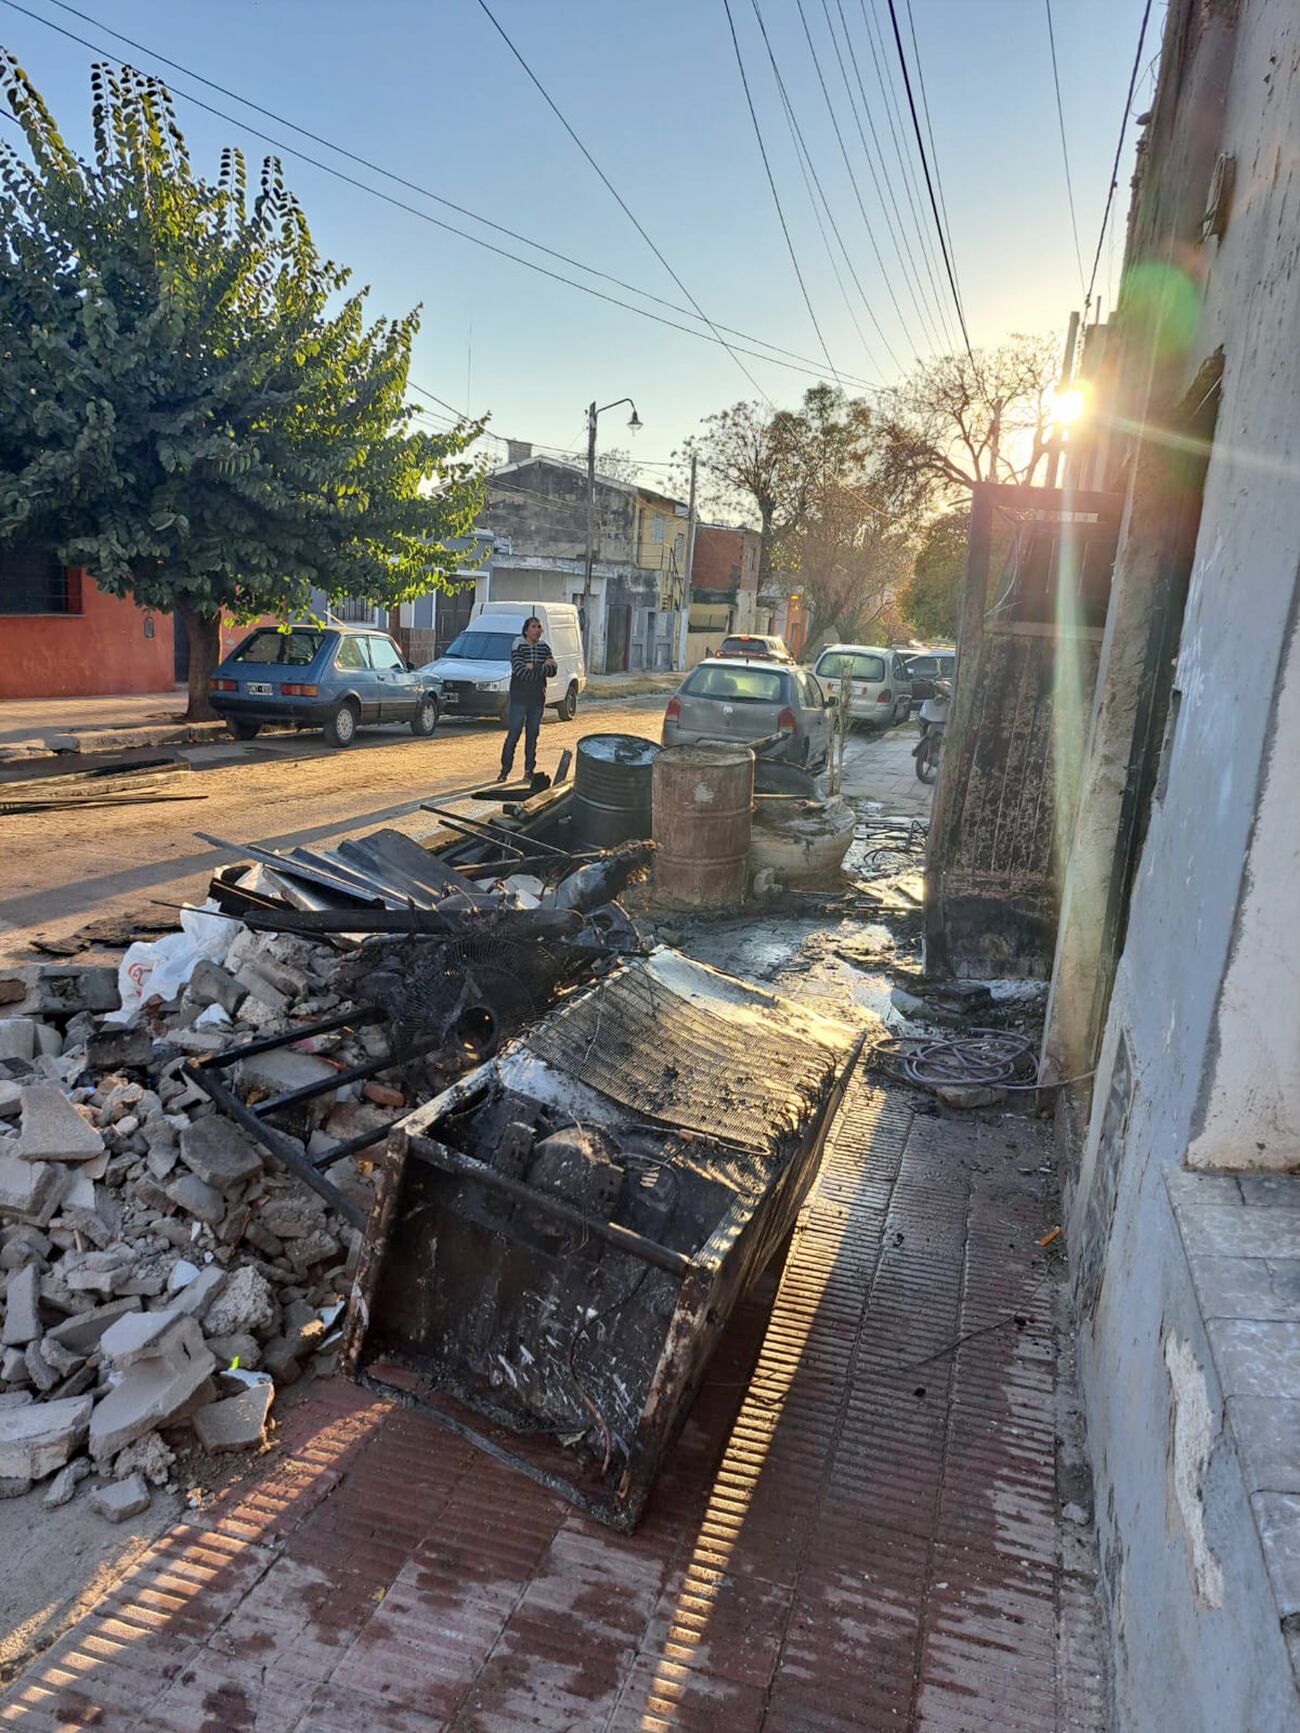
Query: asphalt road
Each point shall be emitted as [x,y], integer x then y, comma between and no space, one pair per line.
[58,870]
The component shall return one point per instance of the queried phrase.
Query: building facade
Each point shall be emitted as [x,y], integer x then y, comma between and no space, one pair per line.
[1176,982]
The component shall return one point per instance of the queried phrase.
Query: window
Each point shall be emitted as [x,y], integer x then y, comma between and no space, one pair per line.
[923,667]
[483,646]
[352,611]
[657,527]
[835,664]
[351,656]
[384,654]
[810,693]
[899,671]
[33,582]
[739,685]
[285,649]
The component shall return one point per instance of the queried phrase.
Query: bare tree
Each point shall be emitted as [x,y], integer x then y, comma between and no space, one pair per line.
[617,464]
[747,459]
[957,421]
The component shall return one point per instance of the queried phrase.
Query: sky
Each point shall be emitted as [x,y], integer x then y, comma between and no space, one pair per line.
[428,90]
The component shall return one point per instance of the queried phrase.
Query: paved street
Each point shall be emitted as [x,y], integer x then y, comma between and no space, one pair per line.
[57,870]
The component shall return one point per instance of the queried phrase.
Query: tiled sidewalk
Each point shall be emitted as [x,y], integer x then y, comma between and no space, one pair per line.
[858,1529]
[881,767]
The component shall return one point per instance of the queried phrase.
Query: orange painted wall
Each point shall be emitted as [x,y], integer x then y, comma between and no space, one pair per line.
[103,649]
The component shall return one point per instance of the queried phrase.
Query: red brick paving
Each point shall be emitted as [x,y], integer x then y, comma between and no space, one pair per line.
[858,1529]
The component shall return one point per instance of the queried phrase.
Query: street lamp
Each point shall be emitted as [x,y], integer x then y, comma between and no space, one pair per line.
[593,415]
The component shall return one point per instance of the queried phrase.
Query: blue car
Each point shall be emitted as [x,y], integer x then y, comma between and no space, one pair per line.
[328,677]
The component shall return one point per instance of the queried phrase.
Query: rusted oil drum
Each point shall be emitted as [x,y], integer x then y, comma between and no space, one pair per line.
[703,801]
[611,789]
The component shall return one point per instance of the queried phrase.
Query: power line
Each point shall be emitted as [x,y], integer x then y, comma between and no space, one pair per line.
[931,317]
[1065,149]
[425,216]
[801,146]
[929,130]
[929,184]
[621,201]
[853,180]
[1114,172]
[414,186]
[893,115]
[776,197]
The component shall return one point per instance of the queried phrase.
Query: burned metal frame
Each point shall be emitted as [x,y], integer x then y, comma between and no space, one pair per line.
[713,1280]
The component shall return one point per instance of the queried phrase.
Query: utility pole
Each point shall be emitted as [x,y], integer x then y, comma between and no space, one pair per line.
[684,625]
[1067,375]
[591,529]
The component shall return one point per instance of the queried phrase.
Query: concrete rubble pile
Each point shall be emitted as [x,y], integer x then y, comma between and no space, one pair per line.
[160,1275]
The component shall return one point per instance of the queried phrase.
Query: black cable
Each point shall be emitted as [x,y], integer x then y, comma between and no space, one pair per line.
[929,184]
[929,131]
[1065,149]
[425,216]
[1114,172]
[857,192]
[776,197]
[902,246]
[621,201]
[893,114]
[414,186]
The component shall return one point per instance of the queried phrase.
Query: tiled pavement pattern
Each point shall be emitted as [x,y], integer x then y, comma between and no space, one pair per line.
[851,1534]
[881,767]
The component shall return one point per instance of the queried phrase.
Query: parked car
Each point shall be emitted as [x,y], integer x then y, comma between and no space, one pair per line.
[724,701]
[330,677]
[754,648]
[880,686]
[927,666]
[473,673]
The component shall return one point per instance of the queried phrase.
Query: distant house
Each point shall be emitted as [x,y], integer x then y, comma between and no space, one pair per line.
[536,514]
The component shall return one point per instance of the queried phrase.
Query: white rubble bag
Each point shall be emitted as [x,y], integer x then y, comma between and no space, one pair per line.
[161,968]
[799,843]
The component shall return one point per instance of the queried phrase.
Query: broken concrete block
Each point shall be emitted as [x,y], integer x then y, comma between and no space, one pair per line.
[282,1069]
[31,1191]
[247,1304]
[121,1499]
[13,1366]
[196,1297]
[66,990]
[39,1370]
[149,1336]
[281,1358]
[53,1130]
[197,1198]
[63,1360]
[11,1098]
[181,1274]
[148,1456]
[210,984]
[82,1334]
[115,1046]
[99,1272]
[40,1438]
[237,1422]
[17,1038]
[239,1347]
[14,1486]
[49,1043]
[219,1153]
[62,1489]
[22,1308]
[291,1218]
[152,1393]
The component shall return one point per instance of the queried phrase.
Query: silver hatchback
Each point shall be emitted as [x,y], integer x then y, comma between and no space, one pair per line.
[721,702]
[880,686]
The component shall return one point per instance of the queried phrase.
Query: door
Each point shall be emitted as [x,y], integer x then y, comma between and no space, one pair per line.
[397,687]
[618,637]
[355,674]
[451,616]
[812,715]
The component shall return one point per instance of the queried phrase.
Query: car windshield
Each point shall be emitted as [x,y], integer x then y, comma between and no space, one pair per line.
[482,646]
[736,685]
[835,664]
[286,649]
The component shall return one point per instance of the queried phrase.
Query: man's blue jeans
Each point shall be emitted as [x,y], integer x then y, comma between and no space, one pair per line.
[525,717]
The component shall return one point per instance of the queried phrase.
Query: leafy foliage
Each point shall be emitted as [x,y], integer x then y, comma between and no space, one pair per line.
[191,406]
[931,598]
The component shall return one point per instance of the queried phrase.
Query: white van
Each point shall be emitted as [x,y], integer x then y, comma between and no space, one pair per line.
[474,672]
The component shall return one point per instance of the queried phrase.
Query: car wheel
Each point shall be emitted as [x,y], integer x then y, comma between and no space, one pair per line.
[243,730]
[425,719]
[341,725]
[567,708]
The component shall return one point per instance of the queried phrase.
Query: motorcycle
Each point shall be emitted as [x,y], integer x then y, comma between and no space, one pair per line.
[934,717]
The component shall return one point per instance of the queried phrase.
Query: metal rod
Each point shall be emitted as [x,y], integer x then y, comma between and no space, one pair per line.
[625,1239]
[499,831]
[361,1017]
[281,1147]
[353,1074]
[352,1145]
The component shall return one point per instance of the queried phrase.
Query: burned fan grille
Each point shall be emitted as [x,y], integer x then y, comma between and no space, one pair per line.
[666,1059]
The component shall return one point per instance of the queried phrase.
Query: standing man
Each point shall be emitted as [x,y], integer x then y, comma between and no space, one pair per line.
[531,666]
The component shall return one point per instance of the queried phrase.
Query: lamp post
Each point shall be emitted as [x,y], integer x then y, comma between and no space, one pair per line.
[636,424]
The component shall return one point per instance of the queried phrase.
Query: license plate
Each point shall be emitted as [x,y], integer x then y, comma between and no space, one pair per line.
[258,689]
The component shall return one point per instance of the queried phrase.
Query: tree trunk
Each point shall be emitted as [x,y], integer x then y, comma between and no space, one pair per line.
[203,632]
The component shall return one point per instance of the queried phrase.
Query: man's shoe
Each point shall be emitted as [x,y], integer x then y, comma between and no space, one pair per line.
[503,776]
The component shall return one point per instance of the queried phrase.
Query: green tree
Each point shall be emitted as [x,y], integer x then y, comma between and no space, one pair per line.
[931,597]
[190,405]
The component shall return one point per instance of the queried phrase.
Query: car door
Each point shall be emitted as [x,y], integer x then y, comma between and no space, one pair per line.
[396,686]
[813,718]
[353,673]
